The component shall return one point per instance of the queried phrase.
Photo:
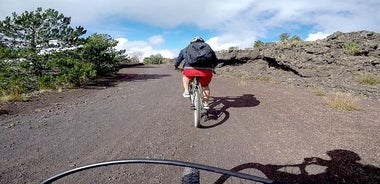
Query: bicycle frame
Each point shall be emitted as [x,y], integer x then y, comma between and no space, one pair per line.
[193,86]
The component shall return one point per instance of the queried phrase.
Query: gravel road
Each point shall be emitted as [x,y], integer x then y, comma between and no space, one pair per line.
[279,132]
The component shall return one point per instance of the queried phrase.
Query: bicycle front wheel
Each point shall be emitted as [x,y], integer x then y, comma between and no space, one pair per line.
[197,108]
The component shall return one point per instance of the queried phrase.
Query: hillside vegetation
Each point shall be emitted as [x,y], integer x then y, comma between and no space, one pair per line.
[342,62]
[39,50]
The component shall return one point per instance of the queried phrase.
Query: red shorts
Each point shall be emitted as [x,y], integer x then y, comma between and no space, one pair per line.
[205,75]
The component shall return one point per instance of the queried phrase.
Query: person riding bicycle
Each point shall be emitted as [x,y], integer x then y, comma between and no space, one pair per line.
[192,68]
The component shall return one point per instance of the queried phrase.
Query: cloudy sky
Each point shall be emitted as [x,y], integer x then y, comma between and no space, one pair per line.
[146,27]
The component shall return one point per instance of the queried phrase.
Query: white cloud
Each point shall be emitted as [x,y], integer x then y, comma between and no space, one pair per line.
[317,36]
[217,43]
[142,49]
[224,42]
[156,40]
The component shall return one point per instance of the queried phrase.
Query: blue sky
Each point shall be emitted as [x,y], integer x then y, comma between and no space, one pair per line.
[146,27]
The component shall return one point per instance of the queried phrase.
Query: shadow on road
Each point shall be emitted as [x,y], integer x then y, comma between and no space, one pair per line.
[218,113]
[112,81]
[3,111]
[343,167]
[136,65]
[104,82]
[140,77]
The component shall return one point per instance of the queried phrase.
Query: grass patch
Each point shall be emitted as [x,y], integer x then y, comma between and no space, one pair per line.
[14,97]
[351,48]
[243,83]
[264,78]
[342,101]
[14,94]
[318,92]
[45,90]
[243,75]
[367,78]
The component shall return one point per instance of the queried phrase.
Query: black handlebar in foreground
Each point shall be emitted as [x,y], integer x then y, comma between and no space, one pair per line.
[162,162]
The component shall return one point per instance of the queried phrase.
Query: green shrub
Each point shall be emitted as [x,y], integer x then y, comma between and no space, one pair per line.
[295,38]
[284,37]
[71,72]
[351,48]
[14,82]
[99,50]
[154,59]
[16,87]
[258,44]
[48,82]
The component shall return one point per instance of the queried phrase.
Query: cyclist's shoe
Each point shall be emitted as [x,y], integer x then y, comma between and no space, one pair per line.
[186,94]
[205,106]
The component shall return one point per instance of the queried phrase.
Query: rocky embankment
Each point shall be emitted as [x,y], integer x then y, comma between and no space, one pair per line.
[327,64]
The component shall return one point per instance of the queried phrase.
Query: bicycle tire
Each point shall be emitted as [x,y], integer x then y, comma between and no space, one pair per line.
[191,91]
[197,108]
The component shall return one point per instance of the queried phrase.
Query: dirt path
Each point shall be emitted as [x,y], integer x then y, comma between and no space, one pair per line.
[261,125]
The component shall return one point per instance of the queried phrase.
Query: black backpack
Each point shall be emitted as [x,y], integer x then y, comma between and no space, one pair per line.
[198,52]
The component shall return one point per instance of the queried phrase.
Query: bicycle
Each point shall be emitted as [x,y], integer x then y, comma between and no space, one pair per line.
[190,176]
[196,93]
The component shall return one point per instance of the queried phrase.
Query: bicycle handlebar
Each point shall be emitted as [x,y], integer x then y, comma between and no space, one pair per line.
[162,162]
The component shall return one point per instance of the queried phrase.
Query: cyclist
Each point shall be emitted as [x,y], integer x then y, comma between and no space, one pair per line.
[203,70]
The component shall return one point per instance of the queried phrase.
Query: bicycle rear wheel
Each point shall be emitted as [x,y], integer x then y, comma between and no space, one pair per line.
[197,108]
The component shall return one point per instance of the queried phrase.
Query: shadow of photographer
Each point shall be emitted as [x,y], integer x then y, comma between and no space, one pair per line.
[343,167]
[218,114]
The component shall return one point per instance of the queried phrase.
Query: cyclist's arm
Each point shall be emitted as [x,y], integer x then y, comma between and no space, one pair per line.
[181,56]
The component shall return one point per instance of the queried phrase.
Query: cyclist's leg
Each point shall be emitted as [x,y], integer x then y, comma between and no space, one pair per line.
[185,82]
[187,77]
[205,81]
[205,96]
[206,93]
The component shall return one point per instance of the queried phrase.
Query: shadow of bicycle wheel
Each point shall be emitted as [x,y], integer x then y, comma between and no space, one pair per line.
[218,112]
[213,118]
